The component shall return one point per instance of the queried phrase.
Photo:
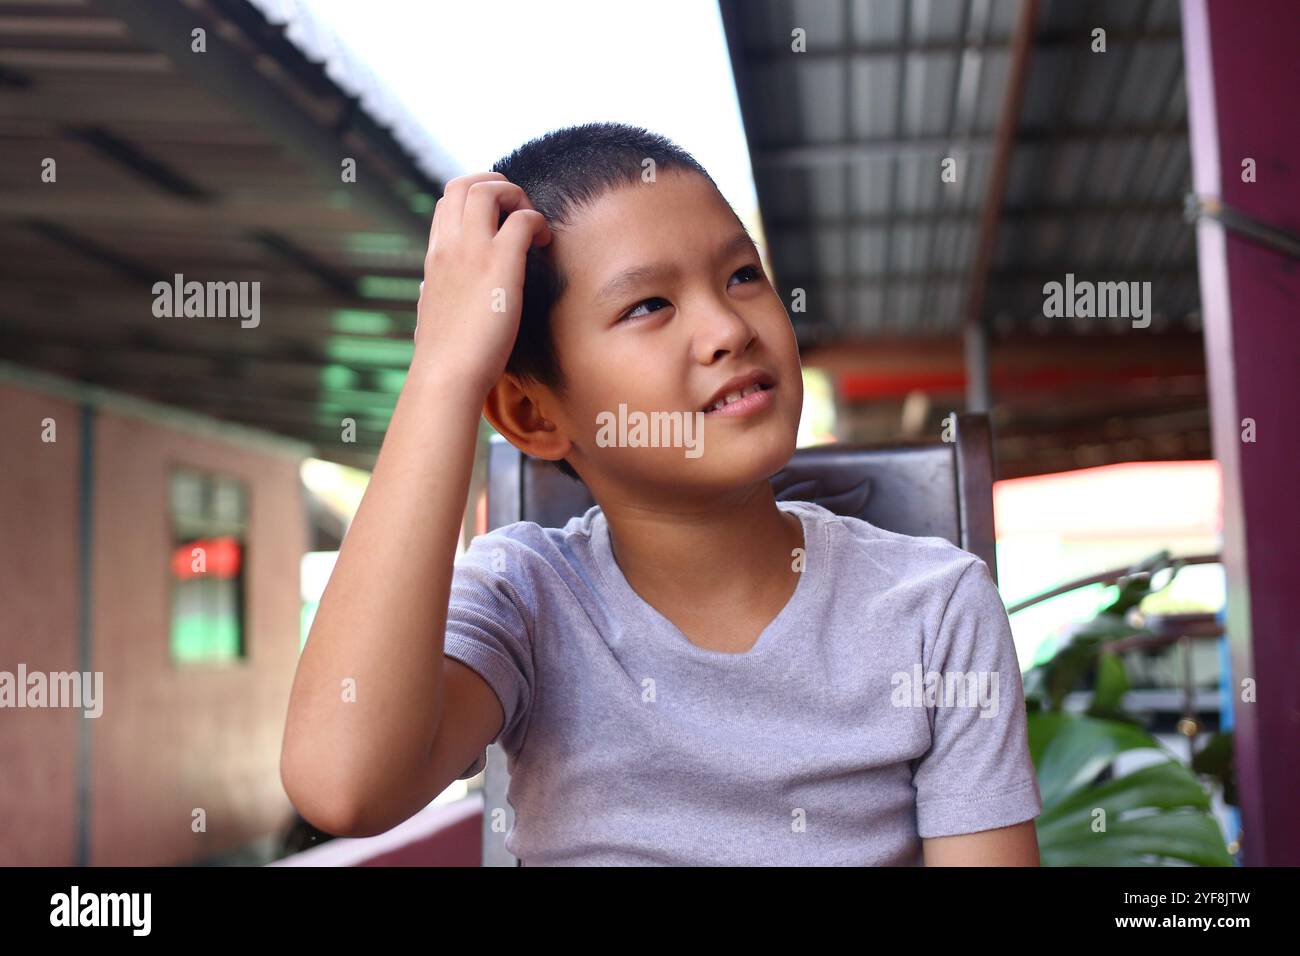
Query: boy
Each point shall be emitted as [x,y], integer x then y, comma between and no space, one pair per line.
[690,672]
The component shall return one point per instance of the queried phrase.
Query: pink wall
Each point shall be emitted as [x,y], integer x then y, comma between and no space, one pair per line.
[170,740]
[173,740]
[38,623]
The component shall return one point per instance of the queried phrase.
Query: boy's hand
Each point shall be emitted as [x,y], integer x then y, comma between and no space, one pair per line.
[472,293]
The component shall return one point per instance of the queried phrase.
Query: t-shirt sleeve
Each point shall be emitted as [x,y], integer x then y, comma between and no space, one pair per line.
[489,630]
[977,774]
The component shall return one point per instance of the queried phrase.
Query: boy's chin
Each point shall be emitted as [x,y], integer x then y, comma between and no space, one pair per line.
[728,455]
[739,459]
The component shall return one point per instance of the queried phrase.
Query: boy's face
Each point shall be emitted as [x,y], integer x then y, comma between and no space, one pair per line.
[666,302]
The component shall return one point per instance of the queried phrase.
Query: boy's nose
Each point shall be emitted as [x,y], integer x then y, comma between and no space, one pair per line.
[725,331]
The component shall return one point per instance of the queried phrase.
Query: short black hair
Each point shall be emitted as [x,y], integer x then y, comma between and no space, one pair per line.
[561,172]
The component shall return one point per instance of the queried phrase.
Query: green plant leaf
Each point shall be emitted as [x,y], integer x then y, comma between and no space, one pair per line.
[1075,659]
[1158,839]
[1071,751]
[1158,815]
[1135,586]
[1163,786]
[1215,760]
[1043,729]
[1111,686]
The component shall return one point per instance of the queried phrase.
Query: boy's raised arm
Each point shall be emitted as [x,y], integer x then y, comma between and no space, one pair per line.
[369,696]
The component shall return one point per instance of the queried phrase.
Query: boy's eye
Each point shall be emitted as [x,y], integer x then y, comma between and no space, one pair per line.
[750,274]
[636,312]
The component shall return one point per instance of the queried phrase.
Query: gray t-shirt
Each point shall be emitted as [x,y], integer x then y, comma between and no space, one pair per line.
[883,704]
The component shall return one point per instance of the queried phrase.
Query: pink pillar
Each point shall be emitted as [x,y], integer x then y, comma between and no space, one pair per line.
[1243,90]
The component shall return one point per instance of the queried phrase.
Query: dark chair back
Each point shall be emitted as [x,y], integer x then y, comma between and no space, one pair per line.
[941,489]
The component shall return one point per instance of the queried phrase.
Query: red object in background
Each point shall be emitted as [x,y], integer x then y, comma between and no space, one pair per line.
[222,558]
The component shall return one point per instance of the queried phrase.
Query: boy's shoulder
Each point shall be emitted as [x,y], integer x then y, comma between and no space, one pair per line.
[854,540]
[530,541]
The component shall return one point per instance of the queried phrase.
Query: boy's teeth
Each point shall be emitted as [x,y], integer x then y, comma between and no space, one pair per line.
[735,396]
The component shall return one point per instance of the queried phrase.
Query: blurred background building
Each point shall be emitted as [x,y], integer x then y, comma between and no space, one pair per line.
[174,489]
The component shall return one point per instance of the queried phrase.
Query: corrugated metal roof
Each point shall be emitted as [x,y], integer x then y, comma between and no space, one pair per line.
[848,140]
[320,44]
[220,166]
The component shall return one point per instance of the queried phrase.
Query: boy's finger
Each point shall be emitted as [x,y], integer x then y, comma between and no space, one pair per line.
[487,204]
[522,229]
[451,207]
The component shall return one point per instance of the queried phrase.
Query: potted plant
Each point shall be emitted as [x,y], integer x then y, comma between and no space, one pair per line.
[1093,815]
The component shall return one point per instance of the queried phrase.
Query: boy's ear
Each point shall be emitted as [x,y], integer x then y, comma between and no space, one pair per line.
[512,408]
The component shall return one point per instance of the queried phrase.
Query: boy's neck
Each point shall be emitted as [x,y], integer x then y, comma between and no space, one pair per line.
[728,555]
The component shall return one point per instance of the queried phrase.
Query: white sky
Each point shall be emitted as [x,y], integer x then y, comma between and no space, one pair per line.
[484,76]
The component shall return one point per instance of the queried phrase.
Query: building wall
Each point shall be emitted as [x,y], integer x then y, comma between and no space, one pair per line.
[172,740]
[38,623]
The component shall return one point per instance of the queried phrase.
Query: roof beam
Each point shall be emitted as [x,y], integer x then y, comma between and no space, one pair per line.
[1036,213]
[1061,39]
[167,26]
[136,162]
[88,294]
[154,211]
[821,154]
[1104,272]
[978,394]
[306,332]
[283,359]
[92,250]
[1164,354]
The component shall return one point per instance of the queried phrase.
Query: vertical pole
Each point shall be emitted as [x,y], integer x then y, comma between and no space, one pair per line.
[85,623]
[1243,67]
[978,392]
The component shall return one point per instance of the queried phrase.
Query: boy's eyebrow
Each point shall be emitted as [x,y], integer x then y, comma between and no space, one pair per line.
[630,278]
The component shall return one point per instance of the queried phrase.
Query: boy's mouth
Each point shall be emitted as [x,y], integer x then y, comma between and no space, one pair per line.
[737,393]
